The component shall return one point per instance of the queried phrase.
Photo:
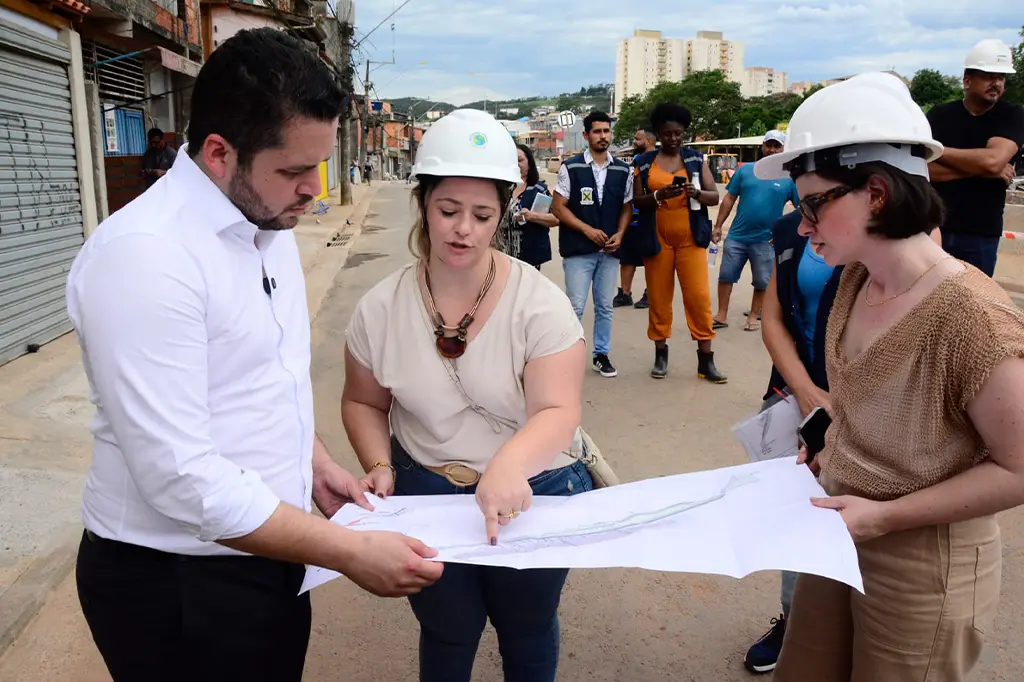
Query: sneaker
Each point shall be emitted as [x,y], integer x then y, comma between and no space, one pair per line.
[642,303]
[603,365]
[622,299]
[764,654]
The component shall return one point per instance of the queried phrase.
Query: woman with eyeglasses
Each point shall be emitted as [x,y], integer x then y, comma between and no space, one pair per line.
[464,373]
[924,357]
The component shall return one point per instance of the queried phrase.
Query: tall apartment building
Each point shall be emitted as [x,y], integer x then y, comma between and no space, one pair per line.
[709,51]
[644,60]
[761,81]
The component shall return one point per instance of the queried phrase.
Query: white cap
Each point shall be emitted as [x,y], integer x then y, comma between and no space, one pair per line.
[468,143]
[991,56]
[775,135]
[855,122]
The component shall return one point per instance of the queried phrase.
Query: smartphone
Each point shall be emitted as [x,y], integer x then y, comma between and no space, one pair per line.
[678,181]
[812,431]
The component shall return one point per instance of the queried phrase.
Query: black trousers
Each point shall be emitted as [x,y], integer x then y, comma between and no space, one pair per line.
[159,617]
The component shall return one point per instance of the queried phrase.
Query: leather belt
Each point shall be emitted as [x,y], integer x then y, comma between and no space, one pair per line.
[457,474]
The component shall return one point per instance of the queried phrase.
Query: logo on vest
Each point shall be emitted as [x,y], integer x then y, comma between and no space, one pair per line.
[586,196]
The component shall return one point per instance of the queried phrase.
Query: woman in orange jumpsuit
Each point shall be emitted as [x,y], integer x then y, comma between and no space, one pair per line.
[674,209]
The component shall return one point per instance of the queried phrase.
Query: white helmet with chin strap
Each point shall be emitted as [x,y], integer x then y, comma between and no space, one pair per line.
[468,143]
[861,120]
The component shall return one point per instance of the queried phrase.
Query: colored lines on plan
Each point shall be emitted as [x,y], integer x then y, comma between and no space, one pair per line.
[597,532]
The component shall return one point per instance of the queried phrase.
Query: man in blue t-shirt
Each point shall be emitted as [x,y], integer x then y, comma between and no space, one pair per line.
[761,203]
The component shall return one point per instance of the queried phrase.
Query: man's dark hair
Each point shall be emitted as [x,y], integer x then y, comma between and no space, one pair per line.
[532,174]
[252,85]
[594,117]
[154,132]
[666,112]
[911,207]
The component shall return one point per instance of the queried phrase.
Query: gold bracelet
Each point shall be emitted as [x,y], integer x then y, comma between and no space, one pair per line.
[389,465]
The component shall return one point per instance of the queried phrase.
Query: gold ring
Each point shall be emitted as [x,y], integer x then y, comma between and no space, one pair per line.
[511,515]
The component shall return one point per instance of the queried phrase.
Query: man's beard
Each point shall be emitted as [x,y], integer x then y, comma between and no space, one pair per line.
[248,201]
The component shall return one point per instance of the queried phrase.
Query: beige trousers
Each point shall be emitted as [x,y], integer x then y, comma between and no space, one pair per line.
[930,598]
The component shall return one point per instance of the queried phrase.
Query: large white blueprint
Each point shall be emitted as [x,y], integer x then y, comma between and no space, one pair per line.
[732,521]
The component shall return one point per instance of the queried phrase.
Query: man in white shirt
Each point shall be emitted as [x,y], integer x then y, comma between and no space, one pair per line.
[190,308]
[593,202]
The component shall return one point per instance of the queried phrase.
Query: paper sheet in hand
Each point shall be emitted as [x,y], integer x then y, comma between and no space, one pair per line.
[731,521]
[541,204]
[771,434]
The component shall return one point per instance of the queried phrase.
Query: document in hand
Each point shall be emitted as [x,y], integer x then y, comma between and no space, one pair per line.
[732,521]
[541,204]
[771,434]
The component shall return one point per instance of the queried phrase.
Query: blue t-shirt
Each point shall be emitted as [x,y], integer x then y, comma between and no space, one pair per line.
[812,275]
[760,204]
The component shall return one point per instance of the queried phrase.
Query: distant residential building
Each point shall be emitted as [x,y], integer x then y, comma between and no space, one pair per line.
[760,81]
[710,51]
[644,60]
[802,87]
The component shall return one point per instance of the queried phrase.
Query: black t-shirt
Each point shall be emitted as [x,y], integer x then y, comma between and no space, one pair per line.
[975,205]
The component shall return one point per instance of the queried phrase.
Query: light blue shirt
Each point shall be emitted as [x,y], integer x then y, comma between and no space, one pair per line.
[812,276]
[760,204]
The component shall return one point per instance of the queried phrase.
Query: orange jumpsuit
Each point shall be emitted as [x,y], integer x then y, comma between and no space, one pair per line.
[680,257]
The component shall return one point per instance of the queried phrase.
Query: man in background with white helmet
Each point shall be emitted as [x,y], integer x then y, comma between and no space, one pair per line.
[982,136]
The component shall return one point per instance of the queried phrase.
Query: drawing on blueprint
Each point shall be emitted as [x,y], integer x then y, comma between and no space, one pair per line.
[586,534]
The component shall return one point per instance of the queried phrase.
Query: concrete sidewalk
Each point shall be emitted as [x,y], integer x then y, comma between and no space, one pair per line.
[45,445]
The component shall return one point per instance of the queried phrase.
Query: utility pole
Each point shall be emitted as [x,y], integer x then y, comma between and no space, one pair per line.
[365,119]
[345,123]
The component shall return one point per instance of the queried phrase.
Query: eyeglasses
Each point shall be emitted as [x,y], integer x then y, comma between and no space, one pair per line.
[809,205]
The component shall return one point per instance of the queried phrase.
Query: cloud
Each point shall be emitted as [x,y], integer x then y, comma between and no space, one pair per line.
[488,48]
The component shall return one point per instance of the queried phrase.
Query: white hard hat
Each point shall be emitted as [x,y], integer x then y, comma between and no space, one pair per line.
[882,78]
[468,143]
[991,56]
[854,122]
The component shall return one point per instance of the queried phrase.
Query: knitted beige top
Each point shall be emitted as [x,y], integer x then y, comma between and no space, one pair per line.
[900,419]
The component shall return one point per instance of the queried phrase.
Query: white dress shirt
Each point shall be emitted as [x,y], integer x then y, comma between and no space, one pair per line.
[562,185]
[204,406]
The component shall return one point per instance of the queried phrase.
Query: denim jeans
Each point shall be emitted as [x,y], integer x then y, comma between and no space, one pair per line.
[735,256]
[981,252]
[788,577]
[600,272]
[522,604]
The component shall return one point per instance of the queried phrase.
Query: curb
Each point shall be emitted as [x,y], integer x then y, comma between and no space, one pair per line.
[20,603]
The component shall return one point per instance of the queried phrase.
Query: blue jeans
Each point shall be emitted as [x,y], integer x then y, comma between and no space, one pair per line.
[981,252]
[788,577]
[735,256]
[522,604]
[600,272]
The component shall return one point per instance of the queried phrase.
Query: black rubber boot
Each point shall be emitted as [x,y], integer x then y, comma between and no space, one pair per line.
[706,368]
[660,369]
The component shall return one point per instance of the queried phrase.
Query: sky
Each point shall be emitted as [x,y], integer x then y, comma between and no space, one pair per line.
[461,51]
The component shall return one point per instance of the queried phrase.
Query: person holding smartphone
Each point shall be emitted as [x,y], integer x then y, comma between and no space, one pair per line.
[673,188]
[924,355]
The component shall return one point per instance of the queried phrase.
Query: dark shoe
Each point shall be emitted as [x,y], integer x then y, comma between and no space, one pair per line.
[622,300]
[763,655]
[660,369]
[642,303]
[706,368]
[603,365]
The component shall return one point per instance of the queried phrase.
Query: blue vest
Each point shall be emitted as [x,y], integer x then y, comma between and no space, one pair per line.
[585,204]
[535,246]
[789,249]
[700,220]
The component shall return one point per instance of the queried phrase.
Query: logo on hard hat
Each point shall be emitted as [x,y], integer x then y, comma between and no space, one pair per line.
[478,140]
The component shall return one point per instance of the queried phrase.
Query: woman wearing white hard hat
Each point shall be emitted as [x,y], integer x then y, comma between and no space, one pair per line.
[925,362]
[464,373]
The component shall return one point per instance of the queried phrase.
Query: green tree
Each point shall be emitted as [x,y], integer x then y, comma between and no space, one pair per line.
[714,102]
[756,129]
[929,87]
[1015,81]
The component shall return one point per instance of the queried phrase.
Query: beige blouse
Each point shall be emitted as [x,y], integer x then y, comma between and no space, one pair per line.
[900,419]
[390,334]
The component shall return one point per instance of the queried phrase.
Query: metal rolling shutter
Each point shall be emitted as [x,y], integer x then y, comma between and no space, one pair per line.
[41,227]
